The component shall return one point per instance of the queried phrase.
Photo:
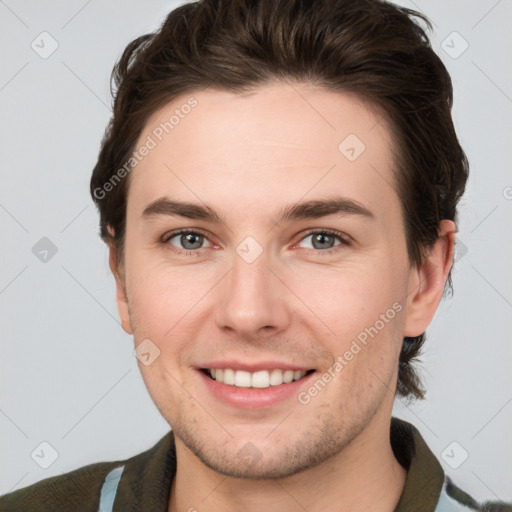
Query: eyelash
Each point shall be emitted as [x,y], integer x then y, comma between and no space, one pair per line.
[342,238]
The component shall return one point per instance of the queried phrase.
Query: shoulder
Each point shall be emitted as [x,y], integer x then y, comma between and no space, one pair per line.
[83,489]
[454,499]
[76,490]
[427,486]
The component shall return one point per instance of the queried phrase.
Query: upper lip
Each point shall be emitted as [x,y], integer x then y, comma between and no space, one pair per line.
[253,366]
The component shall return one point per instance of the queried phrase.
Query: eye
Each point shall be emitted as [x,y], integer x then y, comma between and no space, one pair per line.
[186,240]
[324,240]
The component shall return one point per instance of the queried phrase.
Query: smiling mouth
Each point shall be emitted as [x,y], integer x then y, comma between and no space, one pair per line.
[260,379]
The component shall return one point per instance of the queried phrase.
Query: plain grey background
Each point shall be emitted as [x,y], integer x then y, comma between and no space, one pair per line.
[69,379]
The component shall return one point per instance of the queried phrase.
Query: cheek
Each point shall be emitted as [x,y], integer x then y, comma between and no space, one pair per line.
[362,306]
[164,306]
[163,297]
[351,298]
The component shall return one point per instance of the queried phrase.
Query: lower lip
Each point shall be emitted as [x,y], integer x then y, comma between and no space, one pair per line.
[253,398]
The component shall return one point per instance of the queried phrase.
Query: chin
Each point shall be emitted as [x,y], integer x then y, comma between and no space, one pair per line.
[264,469]
[254,461]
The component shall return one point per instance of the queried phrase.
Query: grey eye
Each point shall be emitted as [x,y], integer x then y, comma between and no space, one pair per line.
[187,241]
[321,240]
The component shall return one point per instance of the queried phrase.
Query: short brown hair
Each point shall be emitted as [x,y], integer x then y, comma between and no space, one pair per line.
[371,48]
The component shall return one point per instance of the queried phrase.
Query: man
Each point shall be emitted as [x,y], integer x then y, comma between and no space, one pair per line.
[278,190]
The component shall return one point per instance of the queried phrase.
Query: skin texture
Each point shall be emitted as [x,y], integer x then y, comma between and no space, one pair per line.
[246,157]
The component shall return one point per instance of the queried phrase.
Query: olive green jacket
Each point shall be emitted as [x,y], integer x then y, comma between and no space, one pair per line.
[142,483]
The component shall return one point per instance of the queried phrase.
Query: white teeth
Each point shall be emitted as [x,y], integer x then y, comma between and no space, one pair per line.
[297,374]
[276,377]
[229,377]
[242,379]
[261,379]
[289,375]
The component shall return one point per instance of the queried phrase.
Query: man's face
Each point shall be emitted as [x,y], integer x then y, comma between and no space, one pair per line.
[254,291]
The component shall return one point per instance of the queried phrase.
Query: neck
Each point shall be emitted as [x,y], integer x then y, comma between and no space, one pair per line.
[364,476]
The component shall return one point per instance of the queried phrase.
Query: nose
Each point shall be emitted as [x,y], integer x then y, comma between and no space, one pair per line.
[252,300]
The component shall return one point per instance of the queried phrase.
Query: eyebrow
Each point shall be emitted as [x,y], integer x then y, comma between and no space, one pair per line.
[313,209]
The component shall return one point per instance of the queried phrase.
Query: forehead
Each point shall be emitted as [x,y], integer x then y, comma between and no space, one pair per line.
[281,143]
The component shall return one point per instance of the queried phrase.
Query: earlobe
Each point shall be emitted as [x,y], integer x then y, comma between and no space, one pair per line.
[426,283]
[121,296]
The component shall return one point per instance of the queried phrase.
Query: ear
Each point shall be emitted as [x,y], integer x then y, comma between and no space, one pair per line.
[426,282]
[121,296]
